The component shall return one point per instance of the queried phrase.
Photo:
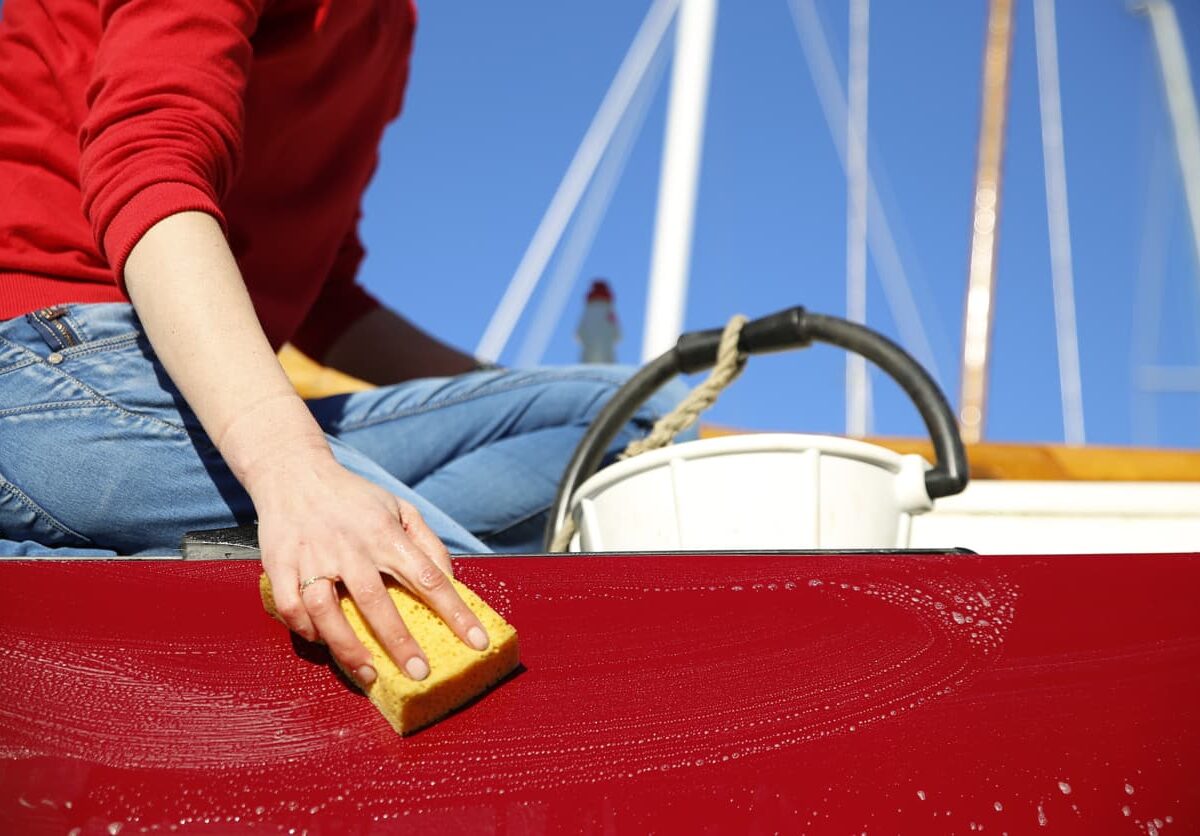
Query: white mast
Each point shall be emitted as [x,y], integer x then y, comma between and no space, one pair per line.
[682,145]
[574,183]
[1053,156]
[858,391]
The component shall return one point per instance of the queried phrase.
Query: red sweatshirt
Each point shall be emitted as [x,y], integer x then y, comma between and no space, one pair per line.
[115,114]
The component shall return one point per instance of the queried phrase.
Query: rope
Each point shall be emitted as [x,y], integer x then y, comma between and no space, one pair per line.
[729,365]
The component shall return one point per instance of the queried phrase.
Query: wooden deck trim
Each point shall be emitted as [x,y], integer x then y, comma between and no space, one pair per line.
[1051,462]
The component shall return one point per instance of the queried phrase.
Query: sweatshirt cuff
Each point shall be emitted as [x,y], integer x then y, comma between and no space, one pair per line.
[149,206]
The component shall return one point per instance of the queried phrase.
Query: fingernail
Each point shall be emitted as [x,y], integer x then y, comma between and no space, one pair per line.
[477,638]
[417,668]
[365,675]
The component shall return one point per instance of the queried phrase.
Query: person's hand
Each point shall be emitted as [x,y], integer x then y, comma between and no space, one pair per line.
[318,520]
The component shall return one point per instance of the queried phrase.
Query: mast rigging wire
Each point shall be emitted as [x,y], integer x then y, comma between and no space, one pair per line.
[882,244]
[583,231]
[1058,220]
[574,182]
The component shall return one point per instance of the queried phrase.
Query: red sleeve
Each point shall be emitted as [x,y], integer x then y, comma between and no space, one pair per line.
[341,303]
[163,132]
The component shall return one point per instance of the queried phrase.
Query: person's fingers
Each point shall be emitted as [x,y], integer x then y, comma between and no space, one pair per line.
[420,574]
[285,590]
[369,593]
[321,601]
[422,535]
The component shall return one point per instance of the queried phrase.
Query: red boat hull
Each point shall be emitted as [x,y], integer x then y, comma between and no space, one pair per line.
[873,694]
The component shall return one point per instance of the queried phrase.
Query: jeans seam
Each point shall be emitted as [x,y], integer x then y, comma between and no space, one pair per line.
[108,402]
[498,388]
[28,357]
[18,365]
[179,428]
[90,403]
[84,349]
[40,512]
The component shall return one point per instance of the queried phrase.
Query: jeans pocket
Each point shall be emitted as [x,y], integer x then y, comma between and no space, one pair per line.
[21,518]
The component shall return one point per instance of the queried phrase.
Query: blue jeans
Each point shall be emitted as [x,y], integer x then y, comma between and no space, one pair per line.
[99,453]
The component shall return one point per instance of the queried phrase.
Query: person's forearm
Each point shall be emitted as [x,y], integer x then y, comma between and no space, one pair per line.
[189,294]
[383,347]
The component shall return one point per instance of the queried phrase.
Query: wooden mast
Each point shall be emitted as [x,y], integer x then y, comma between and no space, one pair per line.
[981,274]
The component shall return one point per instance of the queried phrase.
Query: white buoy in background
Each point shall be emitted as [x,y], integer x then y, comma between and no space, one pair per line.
[598,330]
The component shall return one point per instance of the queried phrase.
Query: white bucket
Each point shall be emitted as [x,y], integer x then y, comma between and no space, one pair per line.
[768,491]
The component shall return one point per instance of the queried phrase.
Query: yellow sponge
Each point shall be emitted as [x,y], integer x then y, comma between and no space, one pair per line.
[458,673]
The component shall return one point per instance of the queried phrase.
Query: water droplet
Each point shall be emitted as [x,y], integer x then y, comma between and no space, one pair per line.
[1129,789]
[1064,787]
[1125,811]
[1041,816]
[921,794]
[998,806]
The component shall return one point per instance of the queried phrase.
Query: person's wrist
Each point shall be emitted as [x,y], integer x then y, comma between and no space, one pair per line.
[274,435]
[286,468]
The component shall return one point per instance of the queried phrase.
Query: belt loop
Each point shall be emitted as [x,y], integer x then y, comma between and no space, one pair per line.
[54,327]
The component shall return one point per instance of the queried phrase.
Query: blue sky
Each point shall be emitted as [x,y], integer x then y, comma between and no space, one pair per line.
[500,97]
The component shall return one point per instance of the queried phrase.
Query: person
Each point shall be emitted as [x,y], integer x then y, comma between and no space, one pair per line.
[182,185]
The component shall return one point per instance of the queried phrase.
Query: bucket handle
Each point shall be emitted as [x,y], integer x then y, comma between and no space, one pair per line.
[787,329]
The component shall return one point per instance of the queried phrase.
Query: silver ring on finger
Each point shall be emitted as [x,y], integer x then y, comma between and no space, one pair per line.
[307,582]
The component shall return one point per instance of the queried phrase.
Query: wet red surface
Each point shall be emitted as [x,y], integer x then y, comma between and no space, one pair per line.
[682,694]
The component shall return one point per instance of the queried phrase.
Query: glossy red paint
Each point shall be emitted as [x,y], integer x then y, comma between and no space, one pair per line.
[865,694]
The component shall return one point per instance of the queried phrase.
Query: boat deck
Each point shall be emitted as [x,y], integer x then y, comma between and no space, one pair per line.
[735,693]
